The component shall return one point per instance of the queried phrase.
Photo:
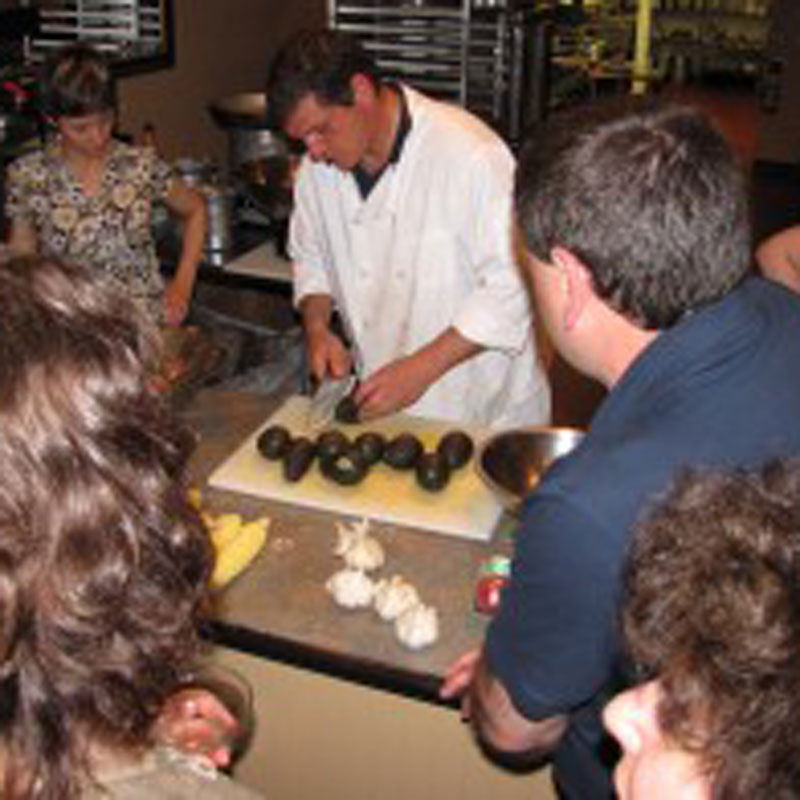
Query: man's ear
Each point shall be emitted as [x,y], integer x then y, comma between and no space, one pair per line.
[576,283]
[362,89]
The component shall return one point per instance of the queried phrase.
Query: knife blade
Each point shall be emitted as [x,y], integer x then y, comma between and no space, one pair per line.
[325,399]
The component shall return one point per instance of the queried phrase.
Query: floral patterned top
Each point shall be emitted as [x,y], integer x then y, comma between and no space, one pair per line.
[108,232]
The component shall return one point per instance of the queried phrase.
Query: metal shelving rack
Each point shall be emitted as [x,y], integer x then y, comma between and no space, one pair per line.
[471,52]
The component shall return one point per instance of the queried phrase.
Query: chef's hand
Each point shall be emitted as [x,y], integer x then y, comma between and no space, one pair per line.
[327,355]
[394,386]
[459,677]
[195,721]
[176,304]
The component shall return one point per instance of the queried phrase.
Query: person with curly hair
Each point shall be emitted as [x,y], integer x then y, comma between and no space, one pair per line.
[87,196]
[712,617]
[104,564]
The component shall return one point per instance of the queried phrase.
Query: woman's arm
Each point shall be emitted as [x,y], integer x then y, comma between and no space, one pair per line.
[22,238]
[190,206]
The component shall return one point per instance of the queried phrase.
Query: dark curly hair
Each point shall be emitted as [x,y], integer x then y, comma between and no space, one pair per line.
[76,81]
[713,612]
[319,62]
[650,198]
[103,563]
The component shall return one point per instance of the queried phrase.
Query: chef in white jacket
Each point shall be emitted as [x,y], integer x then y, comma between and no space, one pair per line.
[402,224]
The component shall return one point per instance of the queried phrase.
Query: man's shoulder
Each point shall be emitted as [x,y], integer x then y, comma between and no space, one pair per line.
[435,119]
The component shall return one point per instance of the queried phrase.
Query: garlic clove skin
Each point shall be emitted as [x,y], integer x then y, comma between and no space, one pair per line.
[394,596]
[351,588]
[418,626]
[366,555]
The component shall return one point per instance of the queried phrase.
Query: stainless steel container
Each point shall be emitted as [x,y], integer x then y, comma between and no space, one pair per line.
[219,203]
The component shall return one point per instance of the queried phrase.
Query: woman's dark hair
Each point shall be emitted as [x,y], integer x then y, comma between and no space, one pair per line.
[319,62]
[713,612]
[649,197]
[77,81]
[103,562]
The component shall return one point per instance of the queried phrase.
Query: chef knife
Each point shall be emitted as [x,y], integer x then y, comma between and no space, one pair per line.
[325,399]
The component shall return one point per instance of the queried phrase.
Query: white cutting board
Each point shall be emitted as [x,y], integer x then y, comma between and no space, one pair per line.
[466,507]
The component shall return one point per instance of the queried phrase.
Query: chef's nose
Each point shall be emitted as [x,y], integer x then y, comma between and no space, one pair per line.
[98,134]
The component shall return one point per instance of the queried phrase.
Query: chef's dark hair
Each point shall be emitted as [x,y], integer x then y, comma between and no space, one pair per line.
[103,562]
[77,81]
[319,62]
[651,199]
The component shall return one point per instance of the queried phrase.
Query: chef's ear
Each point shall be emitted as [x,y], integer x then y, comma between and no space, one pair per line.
[576,283]
[362,89]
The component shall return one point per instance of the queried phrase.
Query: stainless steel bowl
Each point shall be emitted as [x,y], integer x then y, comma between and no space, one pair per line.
[512,462]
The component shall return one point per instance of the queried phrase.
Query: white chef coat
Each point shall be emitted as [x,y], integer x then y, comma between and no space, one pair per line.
[429,248]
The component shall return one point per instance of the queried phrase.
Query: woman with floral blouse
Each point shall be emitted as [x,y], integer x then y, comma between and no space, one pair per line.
[87,197]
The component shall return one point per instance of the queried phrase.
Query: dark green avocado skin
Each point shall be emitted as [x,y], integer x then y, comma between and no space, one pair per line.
[456,447]
[371,445]
[403,451]
[331,443]
[346,469]
[432,471]
[274,442]
[298,460]
[346,411]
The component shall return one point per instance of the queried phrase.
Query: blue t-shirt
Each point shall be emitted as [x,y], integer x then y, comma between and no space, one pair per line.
[719,389]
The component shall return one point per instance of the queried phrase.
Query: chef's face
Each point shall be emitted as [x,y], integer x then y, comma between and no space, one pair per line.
[335,134]
[651,768]
[87,135]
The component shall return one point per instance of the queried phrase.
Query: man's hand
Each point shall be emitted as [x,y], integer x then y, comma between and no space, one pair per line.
[195,721]
[394,386]
[458,678]
[327,355]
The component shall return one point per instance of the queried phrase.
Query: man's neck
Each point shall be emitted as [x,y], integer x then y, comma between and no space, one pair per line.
[386,121]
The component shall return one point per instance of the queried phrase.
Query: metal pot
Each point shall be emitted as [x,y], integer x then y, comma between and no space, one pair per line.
[219,203]
[251,135]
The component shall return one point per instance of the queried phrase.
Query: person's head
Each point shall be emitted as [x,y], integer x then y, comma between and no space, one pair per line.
[103,562]
[712,617]
[649,200]
[321,89]
[78,96]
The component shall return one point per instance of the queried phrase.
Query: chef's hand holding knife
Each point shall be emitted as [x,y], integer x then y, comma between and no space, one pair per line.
[327,355]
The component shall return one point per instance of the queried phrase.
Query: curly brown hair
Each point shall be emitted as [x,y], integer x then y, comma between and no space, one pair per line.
[103,562]
[76,81]
[713,612]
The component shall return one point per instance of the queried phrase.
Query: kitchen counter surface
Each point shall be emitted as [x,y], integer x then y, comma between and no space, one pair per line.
[279,608]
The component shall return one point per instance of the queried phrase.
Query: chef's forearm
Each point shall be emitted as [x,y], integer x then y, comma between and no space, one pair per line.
[444,352]
[316,310]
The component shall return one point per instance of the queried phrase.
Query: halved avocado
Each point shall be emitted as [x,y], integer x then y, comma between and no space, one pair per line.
[297,461]
[347,468]
[432,471]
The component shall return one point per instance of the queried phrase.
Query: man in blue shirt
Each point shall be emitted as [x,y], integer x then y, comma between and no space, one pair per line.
[638,250]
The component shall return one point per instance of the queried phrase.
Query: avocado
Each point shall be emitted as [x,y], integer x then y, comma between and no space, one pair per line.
[403,451]
[274,442]
[331,443]
[346,468]
[456,447]
[432,471]
[371,446]
[298,459]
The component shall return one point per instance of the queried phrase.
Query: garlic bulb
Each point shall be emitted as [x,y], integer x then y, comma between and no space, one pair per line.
[358,550]
[351,588]
[394,596]
[418,626]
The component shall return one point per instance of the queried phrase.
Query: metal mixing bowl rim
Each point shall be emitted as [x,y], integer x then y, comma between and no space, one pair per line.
[509,500]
